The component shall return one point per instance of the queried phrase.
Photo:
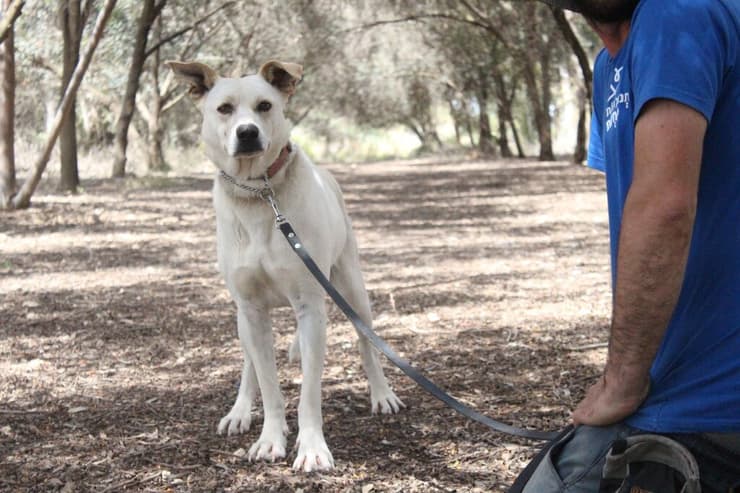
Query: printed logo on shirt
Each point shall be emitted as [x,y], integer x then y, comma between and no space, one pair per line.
[615,100]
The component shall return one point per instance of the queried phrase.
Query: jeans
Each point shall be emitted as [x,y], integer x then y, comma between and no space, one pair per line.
[574,464]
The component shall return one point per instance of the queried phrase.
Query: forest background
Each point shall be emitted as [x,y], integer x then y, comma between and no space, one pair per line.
[382,79]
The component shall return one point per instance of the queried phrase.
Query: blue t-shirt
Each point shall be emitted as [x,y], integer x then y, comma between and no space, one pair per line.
[687,51]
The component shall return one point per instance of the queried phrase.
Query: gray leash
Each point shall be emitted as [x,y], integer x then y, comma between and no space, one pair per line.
[267,194]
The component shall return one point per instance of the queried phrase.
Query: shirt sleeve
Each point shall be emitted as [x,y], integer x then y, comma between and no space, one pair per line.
[680,52]
[595,157]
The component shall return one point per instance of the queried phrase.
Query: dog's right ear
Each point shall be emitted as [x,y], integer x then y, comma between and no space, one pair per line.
[200,76]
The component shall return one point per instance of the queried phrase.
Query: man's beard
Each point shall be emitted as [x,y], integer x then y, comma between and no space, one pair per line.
[607,11]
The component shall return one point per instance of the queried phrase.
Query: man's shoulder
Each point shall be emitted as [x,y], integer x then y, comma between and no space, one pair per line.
[677,8]
[651,15]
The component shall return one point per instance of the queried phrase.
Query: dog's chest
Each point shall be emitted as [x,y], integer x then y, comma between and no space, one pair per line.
[246,241]
[255,262]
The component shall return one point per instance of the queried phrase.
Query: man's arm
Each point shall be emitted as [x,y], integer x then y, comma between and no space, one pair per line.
[657,221]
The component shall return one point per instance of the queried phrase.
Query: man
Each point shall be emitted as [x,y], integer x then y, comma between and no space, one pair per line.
[666,130]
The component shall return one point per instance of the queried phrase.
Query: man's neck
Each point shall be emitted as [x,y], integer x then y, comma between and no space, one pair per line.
[613,35]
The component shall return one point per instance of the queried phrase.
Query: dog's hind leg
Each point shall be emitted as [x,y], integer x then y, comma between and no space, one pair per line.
[313,452]
[347,277]
[240,417]
[255,334]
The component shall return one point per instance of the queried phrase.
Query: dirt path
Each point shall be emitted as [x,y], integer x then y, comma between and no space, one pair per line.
[118,351]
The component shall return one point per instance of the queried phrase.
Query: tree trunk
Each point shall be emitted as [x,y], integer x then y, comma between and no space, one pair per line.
[485,141]
[579,153]
[517,141]
[155,155]
[72,24]
[503,107]
[540,113]
[7,115]
[419,134]
[503,140]
[537,55]
[435,138]
[469,126]
[454,114]
[23,198]
[149,12]
[546,153]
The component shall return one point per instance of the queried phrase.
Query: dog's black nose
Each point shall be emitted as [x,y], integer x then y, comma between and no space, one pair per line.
[247,132]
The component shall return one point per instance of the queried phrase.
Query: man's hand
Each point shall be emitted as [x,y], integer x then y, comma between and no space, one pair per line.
[611,400]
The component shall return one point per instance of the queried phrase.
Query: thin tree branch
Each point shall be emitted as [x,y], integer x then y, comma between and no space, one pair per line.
[174,101]
[303,115]
[10,15]
[439,15]
[141,107]
[484,20]
[180,32]
[572,39]
[38,62]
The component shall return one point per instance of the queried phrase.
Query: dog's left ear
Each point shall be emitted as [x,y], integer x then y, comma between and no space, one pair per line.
[284,76]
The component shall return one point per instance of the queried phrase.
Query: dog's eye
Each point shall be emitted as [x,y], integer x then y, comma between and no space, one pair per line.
[226,109]
[264,106]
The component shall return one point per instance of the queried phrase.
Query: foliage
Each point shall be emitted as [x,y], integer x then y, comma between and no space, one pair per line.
[377,65]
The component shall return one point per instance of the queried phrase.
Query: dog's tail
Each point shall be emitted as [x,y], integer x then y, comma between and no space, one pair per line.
[294,353]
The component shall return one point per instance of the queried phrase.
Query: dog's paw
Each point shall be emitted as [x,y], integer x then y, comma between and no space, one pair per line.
[313,453]
[385,402]
[269,447]
[238,420]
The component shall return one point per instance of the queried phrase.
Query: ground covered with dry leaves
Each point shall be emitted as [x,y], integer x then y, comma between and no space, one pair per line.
[118,350]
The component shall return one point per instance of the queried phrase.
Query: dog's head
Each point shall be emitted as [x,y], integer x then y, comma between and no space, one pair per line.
[244,125]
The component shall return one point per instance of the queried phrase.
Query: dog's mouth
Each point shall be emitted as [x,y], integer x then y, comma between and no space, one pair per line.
[247,154]
[248,149]
[246,161]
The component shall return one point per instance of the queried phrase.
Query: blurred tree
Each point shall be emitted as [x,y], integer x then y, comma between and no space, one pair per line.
[22,199]
[501,67]
[155,153]
[72,18]
[585,94]
[533,42]
[536,33]
[150,10]
[386,74]
[419,115]
[140,55]
[11,11]
[474,61]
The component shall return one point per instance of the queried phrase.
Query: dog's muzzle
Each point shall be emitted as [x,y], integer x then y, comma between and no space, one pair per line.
[248,140]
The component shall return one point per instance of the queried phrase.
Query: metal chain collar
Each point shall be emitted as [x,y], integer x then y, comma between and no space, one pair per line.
[265,192]
[247,188]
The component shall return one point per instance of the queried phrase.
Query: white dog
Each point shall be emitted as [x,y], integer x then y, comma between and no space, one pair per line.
[247,136]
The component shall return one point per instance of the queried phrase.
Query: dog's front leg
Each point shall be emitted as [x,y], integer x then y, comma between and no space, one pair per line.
[256,334]
[239,418]
[313,452]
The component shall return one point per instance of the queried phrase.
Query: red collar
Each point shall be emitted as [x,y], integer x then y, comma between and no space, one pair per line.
[280,161]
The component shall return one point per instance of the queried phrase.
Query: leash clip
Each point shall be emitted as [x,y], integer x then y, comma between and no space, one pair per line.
[268,194]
